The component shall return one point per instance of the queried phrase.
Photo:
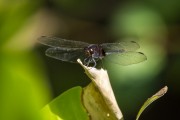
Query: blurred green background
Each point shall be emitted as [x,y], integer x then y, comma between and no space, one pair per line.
[29,79]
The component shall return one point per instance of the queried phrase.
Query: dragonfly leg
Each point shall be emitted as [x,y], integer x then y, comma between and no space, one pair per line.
[87,61]
[94,61]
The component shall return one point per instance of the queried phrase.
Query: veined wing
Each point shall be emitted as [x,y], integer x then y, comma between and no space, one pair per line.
[120,47]
[59,42]
[66,54]
[126,58]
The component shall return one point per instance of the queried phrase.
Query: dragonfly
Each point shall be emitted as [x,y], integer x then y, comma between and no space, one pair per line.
[122,53]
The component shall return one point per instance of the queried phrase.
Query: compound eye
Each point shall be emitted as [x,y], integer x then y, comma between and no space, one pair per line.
[91,51]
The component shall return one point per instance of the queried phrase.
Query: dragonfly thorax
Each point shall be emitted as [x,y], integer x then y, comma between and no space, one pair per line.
[94,51]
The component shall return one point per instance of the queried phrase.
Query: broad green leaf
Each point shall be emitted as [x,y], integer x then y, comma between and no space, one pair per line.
[67,106]
[156,96]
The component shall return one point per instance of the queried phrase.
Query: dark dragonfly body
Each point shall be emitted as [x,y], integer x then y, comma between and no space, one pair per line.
[94,52]
[122,53]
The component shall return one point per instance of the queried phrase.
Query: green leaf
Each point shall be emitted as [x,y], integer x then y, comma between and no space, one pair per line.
[156,96]
[67,106]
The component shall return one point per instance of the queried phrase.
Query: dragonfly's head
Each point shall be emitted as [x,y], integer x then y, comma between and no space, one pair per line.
[89,50]
[92,54]
[94,50]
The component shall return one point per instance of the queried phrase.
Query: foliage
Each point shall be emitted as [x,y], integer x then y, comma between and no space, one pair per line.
[67,106]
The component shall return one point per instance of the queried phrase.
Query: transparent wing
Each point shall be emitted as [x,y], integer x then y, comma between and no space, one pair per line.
[120,47]
[65,54]
[126,58]
[59,42]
